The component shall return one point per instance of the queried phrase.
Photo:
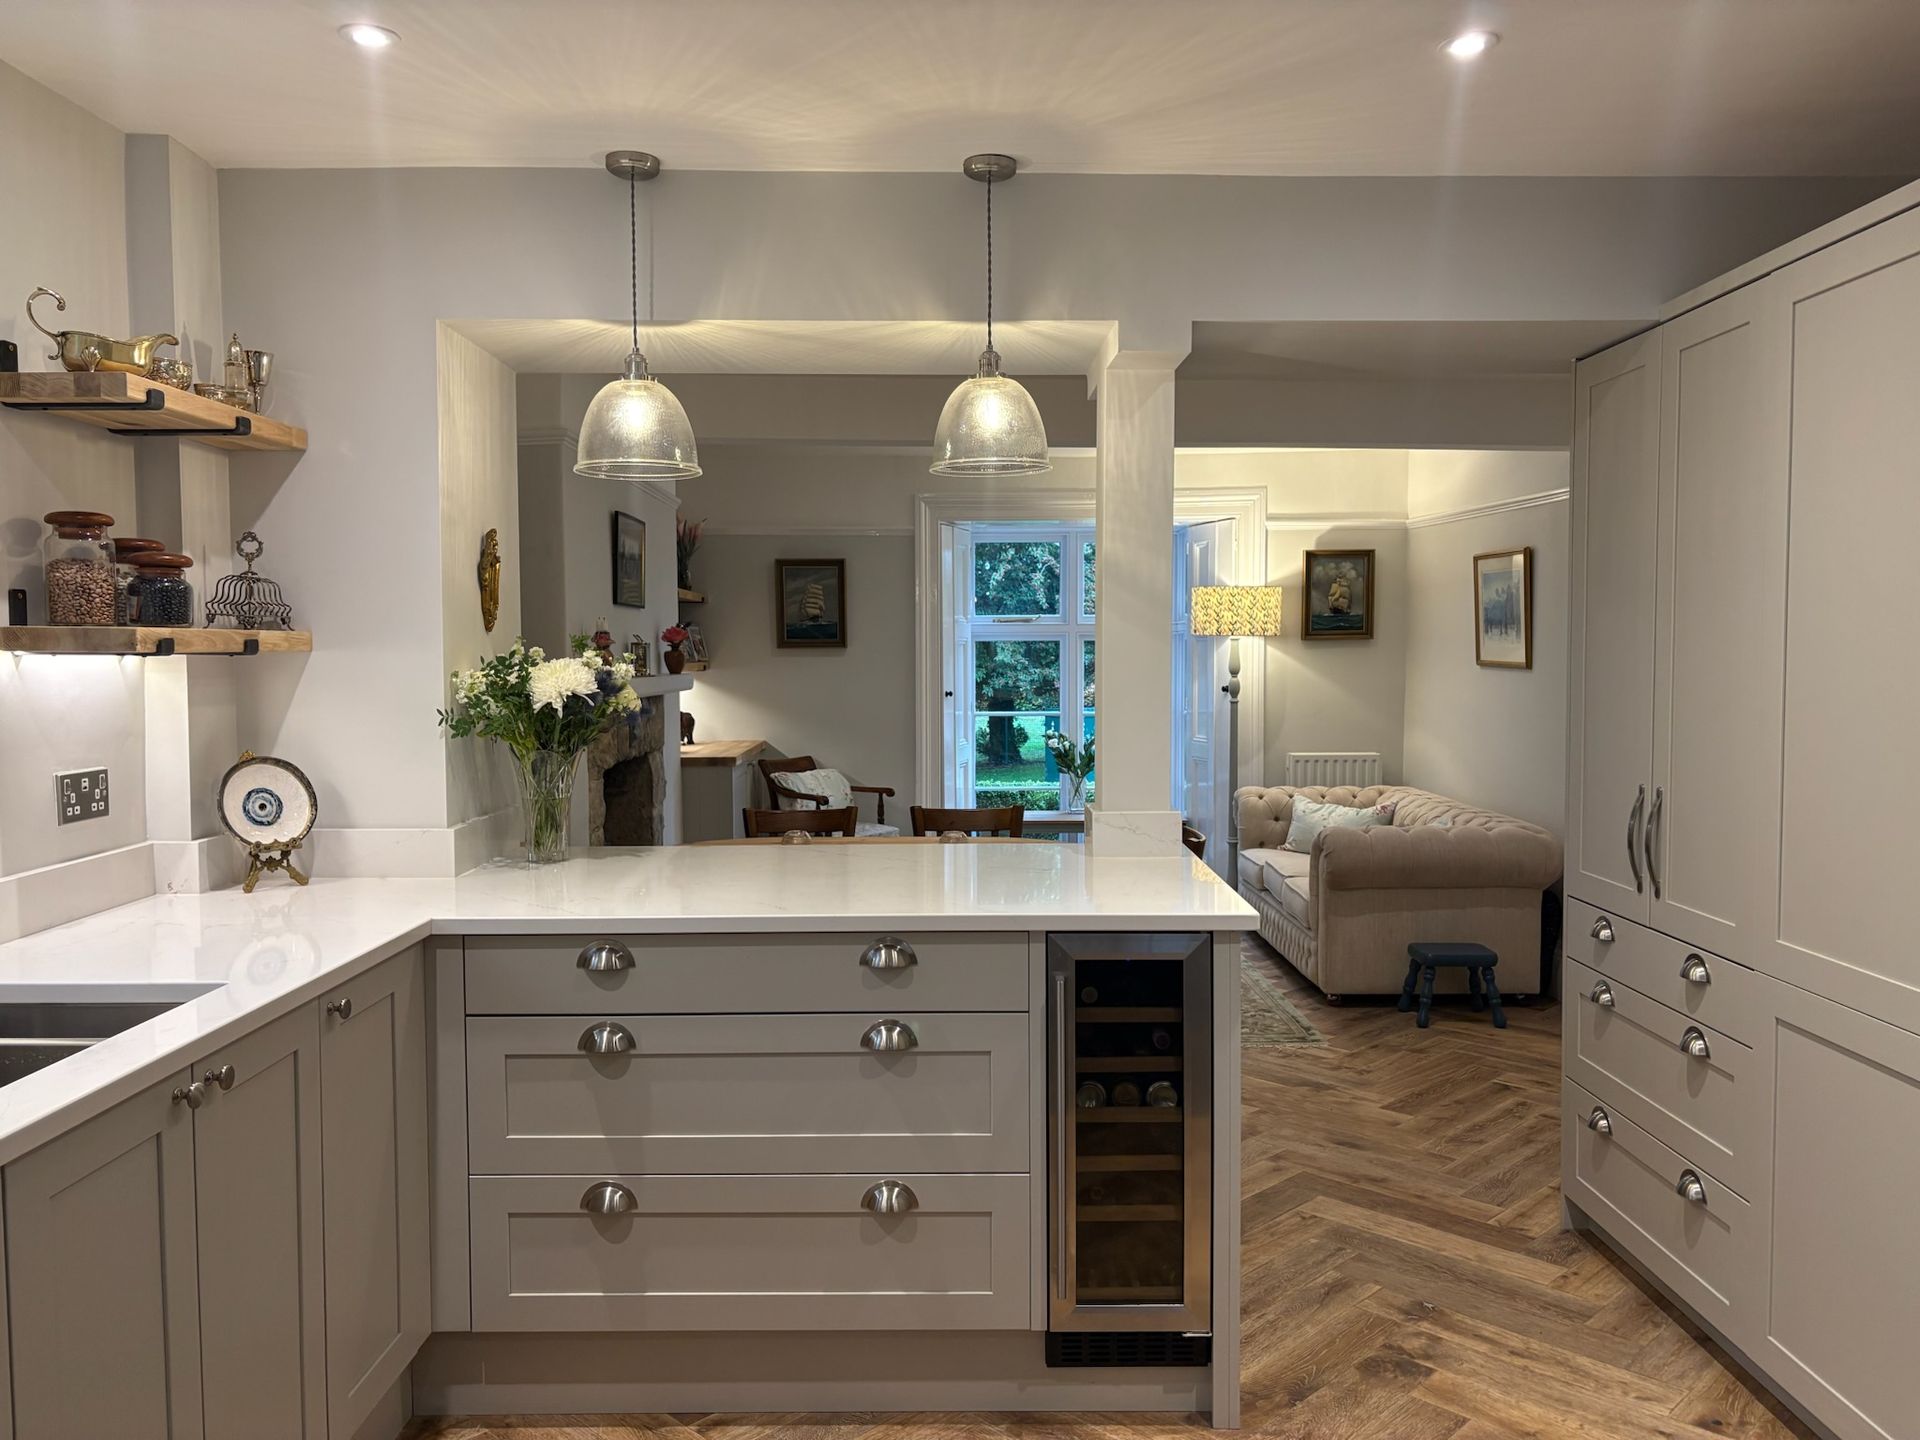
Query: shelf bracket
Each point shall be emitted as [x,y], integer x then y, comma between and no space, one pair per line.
[163,646]
[153,400]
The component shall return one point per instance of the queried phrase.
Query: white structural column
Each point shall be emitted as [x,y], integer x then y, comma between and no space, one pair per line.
[1133,630]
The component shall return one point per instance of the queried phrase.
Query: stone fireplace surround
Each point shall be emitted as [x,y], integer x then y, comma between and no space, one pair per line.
[627,765]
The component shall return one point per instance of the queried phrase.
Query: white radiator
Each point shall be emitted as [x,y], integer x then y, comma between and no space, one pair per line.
[1359,768]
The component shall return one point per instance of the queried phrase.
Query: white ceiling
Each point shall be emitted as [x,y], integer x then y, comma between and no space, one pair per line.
[1229,87]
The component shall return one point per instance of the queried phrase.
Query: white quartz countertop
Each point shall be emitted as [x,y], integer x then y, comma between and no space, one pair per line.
[237,961]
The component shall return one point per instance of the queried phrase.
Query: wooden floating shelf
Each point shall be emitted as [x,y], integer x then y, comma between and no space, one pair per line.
[150,640]
[1114,1214]
[129,405]
[1118,1164]
[1126,1064]
[693,667]
[1128,1115]
[692,597]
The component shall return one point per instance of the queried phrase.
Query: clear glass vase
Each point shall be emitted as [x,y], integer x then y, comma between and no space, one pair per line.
[1076,793]
[546,801]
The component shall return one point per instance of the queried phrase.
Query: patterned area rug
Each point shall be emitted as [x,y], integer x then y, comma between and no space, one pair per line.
[1267,1018]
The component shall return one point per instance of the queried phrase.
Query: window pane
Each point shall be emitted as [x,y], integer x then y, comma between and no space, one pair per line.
[1016,675]
[1016,577]
[1086,674]
[1011,763]
[1086,578]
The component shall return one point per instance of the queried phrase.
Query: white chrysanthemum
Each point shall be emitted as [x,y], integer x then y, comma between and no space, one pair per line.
[552,683]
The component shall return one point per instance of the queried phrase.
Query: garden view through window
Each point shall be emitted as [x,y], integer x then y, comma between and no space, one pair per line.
[1032,612]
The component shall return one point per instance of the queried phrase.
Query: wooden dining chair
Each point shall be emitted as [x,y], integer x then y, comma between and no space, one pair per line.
[1007,820]
[771,769]
[806,822]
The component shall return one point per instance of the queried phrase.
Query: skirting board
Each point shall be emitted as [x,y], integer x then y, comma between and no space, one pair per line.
[575,1373]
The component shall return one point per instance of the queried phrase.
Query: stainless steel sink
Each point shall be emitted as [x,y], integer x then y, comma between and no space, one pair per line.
[36,1034]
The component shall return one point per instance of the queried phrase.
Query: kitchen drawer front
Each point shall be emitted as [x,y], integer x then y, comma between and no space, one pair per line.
[747,1094]
[728,974]
[1634,1051]
[1629,1184]
[1721,994]
[761,1252]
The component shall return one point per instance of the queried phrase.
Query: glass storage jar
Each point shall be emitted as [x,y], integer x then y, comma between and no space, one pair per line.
[160,593]
[79,566]
[126,550]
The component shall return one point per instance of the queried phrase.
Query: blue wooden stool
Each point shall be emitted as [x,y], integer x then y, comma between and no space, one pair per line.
[1426,956]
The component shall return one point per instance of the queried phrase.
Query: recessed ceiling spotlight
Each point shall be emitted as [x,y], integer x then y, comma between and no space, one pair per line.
[1471,44]
[370,37]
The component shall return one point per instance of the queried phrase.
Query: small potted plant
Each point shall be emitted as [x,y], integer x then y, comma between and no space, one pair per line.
[686,540]
[547,712]
[673,637]
[1075,762]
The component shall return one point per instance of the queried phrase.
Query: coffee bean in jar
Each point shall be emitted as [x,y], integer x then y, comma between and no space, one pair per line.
[79,568]
[160,593]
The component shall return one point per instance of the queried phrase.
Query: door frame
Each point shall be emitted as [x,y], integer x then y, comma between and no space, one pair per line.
[1245,510]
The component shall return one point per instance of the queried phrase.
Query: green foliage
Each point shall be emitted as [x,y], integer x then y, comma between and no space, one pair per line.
[1016,577]
[1074,760]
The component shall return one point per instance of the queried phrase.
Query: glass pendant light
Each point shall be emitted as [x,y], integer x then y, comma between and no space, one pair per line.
[635,429]
[990,425]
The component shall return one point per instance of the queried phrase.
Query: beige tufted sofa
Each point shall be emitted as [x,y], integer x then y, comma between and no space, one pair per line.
[1345,914]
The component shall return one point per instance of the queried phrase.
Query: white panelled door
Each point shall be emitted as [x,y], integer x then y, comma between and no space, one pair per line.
[1201,767]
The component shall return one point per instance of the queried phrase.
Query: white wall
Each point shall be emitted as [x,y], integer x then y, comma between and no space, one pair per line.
[1495,737]
[61,712]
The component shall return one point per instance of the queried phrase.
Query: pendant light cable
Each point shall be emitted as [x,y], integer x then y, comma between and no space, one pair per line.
[989,262]
[633,256]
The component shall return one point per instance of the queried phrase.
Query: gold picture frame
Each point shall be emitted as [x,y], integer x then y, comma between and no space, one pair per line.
[1503,609]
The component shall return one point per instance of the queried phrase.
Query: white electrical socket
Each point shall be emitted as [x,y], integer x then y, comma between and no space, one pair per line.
[82,794]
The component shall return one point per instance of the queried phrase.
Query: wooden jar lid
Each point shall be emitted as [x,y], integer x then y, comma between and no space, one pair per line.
[161,560]
[76,520]
[125,547]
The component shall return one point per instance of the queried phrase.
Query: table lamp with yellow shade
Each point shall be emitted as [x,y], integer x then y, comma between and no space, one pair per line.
[1234,611]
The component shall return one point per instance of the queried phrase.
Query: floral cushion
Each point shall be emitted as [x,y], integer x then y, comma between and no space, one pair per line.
[1310,817]
[832,789]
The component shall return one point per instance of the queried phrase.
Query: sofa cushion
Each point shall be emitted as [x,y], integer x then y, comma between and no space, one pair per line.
[1250,863]
[1310,817]
[1296,898]
[1282,866]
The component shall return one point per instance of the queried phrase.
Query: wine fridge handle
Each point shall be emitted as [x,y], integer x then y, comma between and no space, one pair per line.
[1062,1117]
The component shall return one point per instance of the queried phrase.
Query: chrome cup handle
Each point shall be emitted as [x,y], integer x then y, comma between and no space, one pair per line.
[1601,995]
[889,952]
[609,1037]
[1602,930]
[1600,1122]
[1695,972]
[889,1036]
[889,1197]
[608,1198]
[1690,1189]
[1694,1042]
[605,955]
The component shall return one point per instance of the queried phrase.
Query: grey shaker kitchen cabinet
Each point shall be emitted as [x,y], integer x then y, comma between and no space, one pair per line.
[373,1100]
[256,1166]
[101,1244]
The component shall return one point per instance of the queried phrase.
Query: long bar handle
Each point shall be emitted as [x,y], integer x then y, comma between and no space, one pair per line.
[1633,839]
[1062,1078]
[1653,824]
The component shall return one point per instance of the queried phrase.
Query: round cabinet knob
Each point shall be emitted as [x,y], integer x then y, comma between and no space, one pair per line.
[605,955]
[1694,971]
[1690,1189]
[192,1096]
[1694,1042]
[1602,930]
[609,1037]
[341,1008]
[1601,995]
[887,1036]
[889,1197]
[223,1077]
[1600,1122]
[889,952]
[608,1198]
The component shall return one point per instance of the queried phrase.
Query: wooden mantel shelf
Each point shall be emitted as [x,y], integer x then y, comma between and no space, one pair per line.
[129,405]
[149,640]
[721,752]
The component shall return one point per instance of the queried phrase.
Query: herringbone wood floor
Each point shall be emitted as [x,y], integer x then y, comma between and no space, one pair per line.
[1406,1277]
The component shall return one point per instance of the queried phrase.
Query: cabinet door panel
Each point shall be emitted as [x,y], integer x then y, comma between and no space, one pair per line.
[257,1173]
[107,1210]
[1845,863]
[1722,592]
[373,1081]
[1844,1302]
[1615,507]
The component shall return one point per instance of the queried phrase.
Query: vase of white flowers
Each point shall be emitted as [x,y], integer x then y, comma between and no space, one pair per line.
[1075,762]
[547,712]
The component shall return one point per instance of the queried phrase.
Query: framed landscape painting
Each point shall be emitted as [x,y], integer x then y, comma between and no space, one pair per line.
[810,597]
[1338,595]
[1503,609]
[629,560]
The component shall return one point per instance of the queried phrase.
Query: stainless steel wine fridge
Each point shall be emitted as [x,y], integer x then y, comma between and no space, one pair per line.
[1130,1133]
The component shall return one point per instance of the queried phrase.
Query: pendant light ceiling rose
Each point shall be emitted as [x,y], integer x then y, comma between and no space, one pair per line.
[990,425]
[636,428]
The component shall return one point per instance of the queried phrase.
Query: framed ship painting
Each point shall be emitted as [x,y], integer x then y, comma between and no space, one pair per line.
[1338,592]
[629,560]
[1503,609]
[811,601]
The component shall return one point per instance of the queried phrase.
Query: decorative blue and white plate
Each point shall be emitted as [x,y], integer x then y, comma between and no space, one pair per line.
[265,801]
